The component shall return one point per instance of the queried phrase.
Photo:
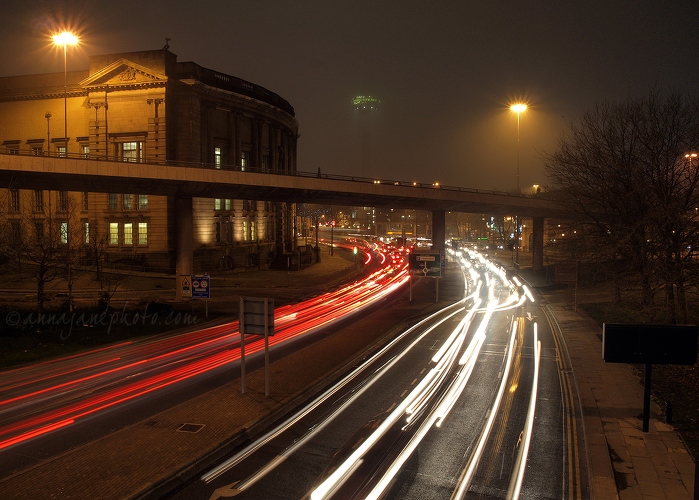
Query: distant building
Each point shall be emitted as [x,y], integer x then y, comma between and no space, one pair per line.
[365,108]
[147,107]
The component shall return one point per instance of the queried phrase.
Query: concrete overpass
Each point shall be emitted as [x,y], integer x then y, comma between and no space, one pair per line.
[186,181]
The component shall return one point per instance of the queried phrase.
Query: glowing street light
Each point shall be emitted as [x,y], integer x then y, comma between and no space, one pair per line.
[690,157]
[65,38]
[518,108]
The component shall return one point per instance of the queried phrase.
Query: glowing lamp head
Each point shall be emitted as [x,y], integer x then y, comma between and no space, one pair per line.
[518,108]
[65,38]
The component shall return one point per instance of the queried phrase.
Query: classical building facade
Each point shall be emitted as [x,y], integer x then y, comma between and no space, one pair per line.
[147,107]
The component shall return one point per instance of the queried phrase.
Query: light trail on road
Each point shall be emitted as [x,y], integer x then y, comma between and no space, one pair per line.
[38,399]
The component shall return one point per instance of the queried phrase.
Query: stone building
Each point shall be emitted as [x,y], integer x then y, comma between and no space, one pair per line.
[147,107]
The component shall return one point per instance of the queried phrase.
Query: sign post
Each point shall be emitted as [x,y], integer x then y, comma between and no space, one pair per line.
[425,265]
[256,317]
[201,289]
[648,344]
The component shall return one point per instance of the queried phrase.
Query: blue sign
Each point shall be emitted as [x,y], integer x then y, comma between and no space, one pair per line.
[201,286]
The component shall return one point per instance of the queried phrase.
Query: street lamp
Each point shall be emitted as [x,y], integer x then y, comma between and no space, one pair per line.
[518,108]
[690,157]
[48,132]
[65,38]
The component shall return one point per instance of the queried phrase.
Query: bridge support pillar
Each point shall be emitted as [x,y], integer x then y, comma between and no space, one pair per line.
[538,244]
[184,231]
[438,230]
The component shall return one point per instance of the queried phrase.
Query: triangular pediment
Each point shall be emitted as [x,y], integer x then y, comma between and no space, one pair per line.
[123,72]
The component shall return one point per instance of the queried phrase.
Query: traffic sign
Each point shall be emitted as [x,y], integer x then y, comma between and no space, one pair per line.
[201,288]
[428,265]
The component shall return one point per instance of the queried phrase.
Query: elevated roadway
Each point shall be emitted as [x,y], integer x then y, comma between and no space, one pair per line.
[196,180]
[186,181]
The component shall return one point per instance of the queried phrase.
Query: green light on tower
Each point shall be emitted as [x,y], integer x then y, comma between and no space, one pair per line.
[365,101]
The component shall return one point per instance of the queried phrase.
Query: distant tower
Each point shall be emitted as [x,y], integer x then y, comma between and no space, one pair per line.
[365,108]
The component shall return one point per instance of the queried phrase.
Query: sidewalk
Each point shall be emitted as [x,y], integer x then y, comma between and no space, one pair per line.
[623,461]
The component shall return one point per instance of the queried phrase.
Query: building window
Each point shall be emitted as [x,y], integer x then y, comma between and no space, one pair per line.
[38,201]
[249,205]
[113,201]
[127,202]
[128,233]
[132,151]
[244,160]
[245,229]
[15,231]
[86,202]
[85,151]
[142,233]
[63,201]
[143,202]
[14,200]
[265,163]
[64,232]
[219,225]
[217,157]
[113,233]
[86,233]
[221,204]
[37,150]
[62,151]
[39,227]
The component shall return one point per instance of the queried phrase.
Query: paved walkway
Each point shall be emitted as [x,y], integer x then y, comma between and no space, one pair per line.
[138,461]
[623,461]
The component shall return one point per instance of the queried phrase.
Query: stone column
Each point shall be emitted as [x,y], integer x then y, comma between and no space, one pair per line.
[537,244]
[184,235]
[438,230]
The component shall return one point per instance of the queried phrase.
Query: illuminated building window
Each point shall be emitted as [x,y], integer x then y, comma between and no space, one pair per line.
[244,160]
[142,233]
[131,151]
[113,233]
[217,204]
[85,151]
[64,232]
[143,202]
[86,233]
[217,157]
[128,233]
[62,151]
[127,202]
[246,235]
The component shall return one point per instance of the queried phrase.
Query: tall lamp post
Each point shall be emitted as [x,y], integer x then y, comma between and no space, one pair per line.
[518,108]
[65,38]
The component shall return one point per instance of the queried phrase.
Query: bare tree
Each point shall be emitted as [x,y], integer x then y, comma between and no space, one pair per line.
[632,192]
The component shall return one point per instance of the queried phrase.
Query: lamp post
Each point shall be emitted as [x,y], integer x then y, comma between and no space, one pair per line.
[518,108]
[65,38]
[48,132]
[690,157]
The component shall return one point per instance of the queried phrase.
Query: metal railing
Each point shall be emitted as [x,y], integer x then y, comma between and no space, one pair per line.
[300,173]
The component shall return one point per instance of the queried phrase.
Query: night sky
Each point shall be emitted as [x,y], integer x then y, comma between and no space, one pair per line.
[445,71]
